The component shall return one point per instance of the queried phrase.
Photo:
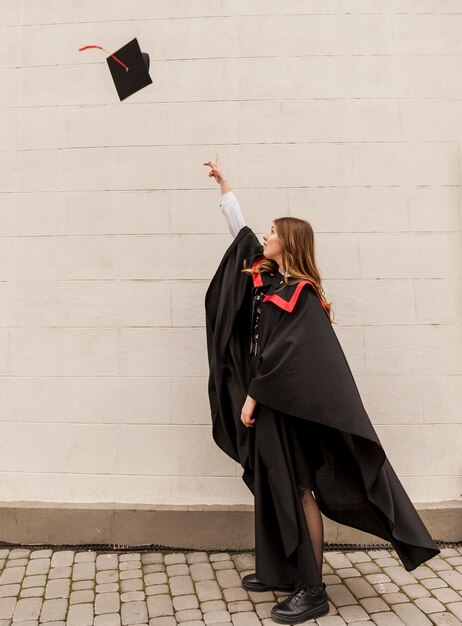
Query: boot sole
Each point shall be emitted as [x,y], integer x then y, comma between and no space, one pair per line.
[316,611]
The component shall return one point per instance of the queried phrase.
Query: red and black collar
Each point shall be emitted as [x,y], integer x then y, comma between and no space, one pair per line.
[287,297]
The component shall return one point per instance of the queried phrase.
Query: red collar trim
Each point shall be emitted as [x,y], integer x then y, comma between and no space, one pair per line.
[286,305]
[257,279]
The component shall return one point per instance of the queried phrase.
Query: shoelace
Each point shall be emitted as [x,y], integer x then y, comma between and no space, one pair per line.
[302,589]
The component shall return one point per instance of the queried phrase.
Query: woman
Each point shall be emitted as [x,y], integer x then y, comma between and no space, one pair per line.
[285,405]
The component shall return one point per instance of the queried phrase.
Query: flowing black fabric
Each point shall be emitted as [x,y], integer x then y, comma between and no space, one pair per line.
[311,427]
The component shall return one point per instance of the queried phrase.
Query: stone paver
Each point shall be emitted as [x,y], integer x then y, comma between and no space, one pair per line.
[445,619]
[246,618]
[80,615]
[43,587]
[83,596]
[181,585]
[12,575]
[134,613]
[360,588]
[340,595]
[85,557]
[108,619]
[7,607]
[34,581]
[159,605]
[60,572]
[33,592]
[369,567]
[38,566]
[202,571]
[53,610]
[133,584]
[58,588]
[82,584]
[27,609]
[411,614]
[375,605]
[64,558]
[9,590]
[83,570]
[387,619]
[109,576]
[107,603]
[107,561]
[155,590]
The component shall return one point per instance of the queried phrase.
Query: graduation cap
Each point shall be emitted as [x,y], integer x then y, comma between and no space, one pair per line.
[129,68]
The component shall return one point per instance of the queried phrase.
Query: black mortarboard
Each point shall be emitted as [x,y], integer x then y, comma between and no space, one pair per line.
[137,76]
[129,68]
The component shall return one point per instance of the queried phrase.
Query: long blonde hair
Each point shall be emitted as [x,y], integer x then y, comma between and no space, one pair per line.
[298,258]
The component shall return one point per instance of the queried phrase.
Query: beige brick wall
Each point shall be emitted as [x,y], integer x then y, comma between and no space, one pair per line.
[347,113]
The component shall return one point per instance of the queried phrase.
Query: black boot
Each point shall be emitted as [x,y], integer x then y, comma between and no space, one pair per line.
[304,603]
[251,583]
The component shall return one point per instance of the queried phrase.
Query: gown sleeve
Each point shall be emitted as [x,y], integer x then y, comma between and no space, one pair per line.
[227,319]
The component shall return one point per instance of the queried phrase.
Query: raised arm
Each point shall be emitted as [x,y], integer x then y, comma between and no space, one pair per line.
[228,204]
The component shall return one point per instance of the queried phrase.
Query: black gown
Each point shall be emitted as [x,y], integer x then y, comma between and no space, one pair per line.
[311,429]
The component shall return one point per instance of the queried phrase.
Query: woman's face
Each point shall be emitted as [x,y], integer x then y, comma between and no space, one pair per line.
[272,247]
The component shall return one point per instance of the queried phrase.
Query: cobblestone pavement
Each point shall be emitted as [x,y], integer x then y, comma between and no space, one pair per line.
[86,588]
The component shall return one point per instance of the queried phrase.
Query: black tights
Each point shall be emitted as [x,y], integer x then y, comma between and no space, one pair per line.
[314,523]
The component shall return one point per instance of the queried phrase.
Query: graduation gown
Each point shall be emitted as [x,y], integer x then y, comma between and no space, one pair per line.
[311,429]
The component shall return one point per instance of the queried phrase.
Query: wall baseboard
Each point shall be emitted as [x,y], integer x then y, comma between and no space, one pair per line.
[207,527]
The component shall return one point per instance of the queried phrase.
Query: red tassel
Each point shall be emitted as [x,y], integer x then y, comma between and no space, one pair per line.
[112,55]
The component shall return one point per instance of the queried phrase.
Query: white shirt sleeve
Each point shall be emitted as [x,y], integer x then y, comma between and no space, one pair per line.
[232,212]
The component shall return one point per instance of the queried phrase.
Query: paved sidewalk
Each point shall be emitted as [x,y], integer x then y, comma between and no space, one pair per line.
[86,588]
